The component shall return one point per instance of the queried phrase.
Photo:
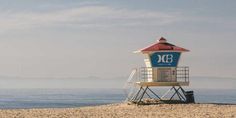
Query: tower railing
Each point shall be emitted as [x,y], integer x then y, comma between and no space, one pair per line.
[154,74]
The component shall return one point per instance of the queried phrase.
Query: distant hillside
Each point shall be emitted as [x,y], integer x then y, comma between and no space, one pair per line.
[98,82]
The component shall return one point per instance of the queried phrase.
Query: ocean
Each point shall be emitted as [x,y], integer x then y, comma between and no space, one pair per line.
[69,98]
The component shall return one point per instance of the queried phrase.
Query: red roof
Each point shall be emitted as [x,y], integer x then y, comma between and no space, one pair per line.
[163,45]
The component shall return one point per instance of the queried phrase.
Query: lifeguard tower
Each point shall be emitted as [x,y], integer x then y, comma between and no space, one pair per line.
[161,70]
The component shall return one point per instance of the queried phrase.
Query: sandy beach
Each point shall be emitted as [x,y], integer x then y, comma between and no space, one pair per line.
[124,110]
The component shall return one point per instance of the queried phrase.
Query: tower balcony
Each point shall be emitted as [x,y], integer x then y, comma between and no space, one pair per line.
[156,76]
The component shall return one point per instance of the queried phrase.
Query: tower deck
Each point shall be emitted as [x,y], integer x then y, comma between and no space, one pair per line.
[162,83]
[153,76]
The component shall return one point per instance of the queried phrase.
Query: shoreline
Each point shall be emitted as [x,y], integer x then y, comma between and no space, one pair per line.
[118,110]
[78,107]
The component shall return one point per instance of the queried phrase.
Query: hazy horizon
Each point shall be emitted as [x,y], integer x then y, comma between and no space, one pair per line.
[107,83]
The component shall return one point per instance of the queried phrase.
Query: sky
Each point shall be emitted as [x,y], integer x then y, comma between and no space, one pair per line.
[81,38]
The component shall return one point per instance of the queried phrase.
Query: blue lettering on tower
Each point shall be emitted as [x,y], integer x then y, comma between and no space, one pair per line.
[165,59]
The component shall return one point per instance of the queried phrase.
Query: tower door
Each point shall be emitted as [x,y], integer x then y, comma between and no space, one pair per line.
[166,75]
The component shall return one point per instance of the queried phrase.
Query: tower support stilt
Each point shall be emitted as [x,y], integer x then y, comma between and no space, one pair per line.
[145,92]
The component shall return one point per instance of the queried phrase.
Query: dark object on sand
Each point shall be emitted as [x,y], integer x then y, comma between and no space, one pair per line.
[189,97]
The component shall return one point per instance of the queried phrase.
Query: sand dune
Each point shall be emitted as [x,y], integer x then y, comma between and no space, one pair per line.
[124,110]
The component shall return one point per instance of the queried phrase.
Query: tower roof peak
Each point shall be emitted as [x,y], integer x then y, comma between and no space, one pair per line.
[162,40]
[162,45]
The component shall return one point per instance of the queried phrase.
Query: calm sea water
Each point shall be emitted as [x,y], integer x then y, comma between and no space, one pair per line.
[64,98]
